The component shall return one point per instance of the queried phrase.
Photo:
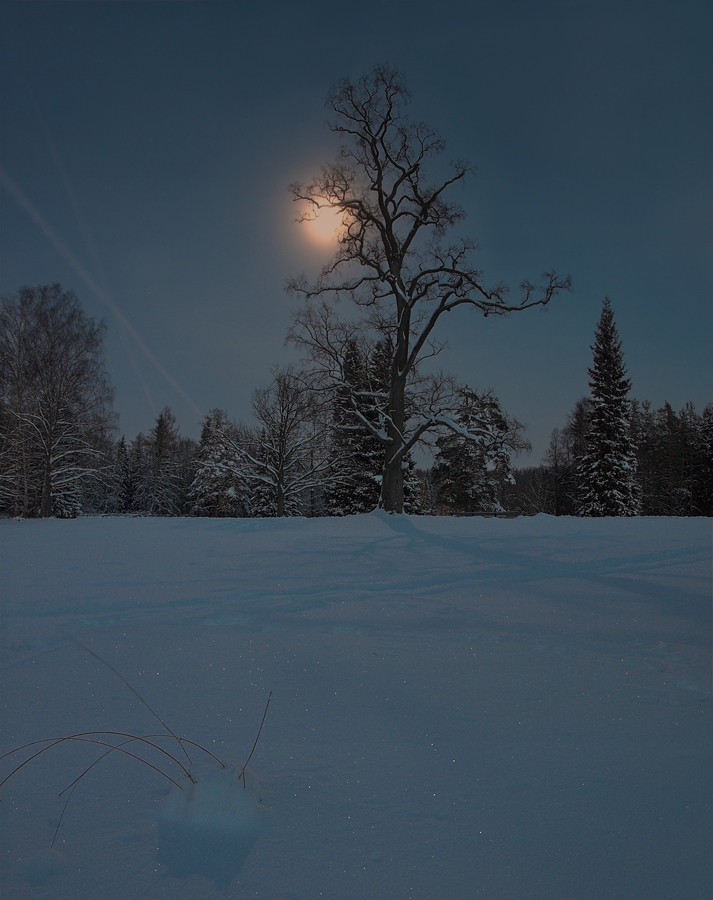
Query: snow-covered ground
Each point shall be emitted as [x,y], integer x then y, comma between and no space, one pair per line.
[460,708]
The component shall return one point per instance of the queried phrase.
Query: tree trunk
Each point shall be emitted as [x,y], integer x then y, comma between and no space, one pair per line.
[280,486]
[392,481]
[46,502]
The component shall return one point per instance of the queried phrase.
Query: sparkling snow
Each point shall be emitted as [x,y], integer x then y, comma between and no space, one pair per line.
[461,707]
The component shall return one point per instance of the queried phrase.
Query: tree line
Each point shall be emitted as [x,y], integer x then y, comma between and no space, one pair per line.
[673,457]
[307,453]
[618,456]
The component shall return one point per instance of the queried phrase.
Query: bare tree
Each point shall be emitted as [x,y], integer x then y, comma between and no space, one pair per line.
[15,383]
[286,456]
[290,457]
[55,401]
[393,261]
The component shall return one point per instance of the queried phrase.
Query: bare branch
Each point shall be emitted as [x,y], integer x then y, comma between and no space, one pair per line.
[391,260]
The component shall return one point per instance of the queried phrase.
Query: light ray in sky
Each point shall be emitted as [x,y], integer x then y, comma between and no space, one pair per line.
[34,214]
[90,245]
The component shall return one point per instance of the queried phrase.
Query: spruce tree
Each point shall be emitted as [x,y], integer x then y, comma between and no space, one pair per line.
[363,395]
[468,475]
[359,456]
[124,481]
[218,488]
[673,460]
[607,469]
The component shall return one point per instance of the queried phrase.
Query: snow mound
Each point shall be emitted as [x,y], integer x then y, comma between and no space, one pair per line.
[208,828]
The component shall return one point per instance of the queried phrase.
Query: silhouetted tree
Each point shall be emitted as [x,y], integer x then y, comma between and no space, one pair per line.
[393,261]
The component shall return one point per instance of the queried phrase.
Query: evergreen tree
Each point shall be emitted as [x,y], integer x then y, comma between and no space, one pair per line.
[125,478]
[358,409]
[140,472]
[355,483]
[606,474]
[164,448]
[705,492]
[691,459]
[218,488]
[164,466]
[471,475]
[673,460]
[413,488]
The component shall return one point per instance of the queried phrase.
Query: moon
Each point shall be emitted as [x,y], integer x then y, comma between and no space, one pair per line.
[324,228]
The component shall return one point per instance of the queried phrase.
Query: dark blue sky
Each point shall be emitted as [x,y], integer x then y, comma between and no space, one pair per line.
[146,150]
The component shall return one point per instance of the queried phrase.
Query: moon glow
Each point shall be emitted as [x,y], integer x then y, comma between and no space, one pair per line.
[324,228]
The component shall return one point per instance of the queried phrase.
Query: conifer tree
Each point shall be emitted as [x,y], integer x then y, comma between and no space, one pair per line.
[125,478]
[470,476]
[360,409]
[172,467]
[674,460]
[218,488]
[359,404]
[354,487]
[606,473]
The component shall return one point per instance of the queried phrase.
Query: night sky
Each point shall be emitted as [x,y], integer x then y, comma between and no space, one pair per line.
[146,150]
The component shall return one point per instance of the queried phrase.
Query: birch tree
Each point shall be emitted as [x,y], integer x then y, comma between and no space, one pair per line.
[55,401]
[395,261]
[288,455]
[285,459]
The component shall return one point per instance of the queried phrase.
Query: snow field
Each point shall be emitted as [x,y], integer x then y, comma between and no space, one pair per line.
[460,708]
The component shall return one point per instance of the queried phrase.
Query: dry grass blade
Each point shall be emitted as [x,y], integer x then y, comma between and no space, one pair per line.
[87,738]
[135,693]
[104,738]
[259,732]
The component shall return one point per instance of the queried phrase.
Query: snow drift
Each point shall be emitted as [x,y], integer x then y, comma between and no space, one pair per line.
[208,827]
